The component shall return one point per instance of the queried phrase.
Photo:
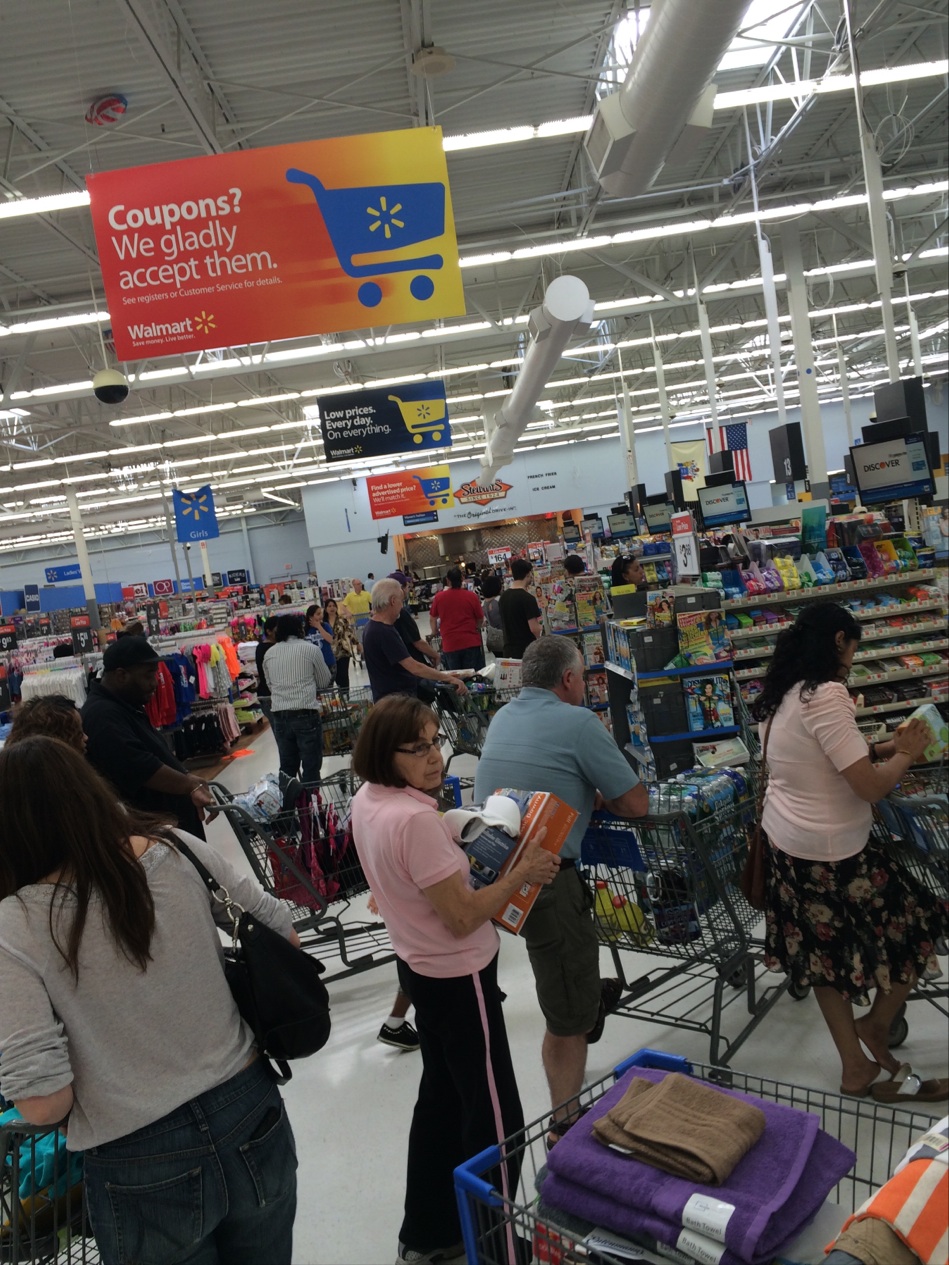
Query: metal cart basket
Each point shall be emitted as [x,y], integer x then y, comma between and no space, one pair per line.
[42,1211]
[342,713]
[305,855]
[878,1134]
[666,886]
[464,721]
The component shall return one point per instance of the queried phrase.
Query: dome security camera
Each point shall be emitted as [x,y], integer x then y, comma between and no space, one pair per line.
[110,386]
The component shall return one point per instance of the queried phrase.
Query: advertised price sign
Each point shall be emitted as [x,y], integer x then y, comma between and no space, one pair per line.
[409,491]
[7,637]
[265,244]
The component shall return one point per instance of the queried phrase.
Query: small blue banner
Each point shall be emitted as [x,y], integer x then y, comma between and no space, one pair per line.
[415,520]
[57,575]
[412,417]
[195,518]
[31,597]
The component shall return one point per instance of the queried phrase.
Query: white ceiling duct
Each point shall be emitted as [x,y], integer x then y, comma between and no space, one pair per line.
[567,309]
[667,99]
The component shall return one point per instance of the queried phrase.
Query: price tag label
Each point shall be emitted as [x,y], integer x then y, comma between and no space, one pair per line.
[83,639]
[7,637]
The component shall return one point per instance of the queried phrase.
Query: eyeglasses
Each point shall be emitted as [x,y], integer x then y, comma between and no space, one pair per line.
[423,748]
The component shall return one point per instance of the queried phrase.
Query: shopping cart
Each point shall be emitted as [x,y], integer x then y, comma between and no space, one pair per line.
[342,714]
[42,1211]
[435,491]
[666,886]
[424,417]
[879,1135]
[304,855]
[381,220]
[464,720]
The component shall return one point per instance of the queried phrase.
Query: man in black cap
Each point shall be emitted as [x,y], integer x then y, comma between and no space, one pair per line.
[125,748]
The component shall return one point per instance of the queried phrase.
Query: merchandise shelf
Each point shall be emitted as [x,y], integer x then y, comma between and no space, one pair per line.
[906,704]
[825,590]
[925,625]
[722,665]
[701,735]
[873,678]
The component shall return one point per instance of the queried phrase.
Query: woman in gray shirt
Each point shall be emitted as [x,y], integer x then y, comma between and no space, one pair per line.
[116,1020]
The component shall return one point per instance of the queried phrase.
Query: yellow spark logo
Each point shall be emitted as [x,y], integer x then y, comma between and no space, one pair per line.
[196,504]
[385,217]
[204,322]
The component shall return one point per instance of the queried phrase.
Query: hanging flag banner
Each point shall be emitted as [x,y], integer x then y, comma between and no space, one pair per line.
[692,461]
[265,244]
[372,423]
[195,518]
[409,491]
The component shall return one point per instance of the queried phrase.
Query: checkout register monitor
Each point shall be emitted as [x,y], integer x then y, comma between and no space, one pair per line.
[893,470]
[724,506]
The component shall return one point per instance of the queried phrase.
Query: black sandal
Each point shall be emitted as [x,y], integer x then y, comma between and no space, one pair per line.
[558,1129]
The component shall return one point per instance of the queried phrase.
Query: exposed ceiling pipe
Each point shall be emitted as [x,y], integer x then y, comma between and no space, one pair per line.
[666,103]
[567,309]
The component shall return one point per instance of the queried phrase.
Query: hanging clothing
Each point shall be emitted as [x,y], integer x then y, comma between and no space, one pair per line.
[161,709]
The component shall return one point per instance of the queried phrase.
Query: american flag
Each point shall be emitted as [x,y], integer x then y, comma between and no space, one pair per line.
[733,438]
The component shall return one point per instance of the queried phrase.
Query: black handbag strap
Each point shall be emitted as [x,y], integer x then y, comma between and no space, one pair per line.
[217,889]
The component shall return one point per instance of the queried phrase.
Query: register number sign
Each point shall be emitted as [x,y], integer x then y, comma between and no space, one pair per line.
[283,242]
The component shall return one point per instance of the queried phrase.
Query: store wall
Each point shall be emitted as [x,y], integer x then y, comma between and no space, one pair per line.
[148,557]
[589,475]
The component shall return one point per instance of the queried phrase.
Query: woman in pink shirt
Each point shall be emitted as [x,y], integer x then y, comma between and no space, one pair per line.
[447,959]
[843,917]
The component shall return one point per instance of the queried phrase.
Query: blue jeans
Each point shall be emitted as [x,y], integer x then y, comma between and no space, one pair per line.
[211,1183]
[470,657]
[299,738]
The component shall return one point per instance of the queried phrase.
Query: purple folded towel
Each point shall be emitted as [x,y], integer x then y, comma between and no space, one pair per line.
[775,1189]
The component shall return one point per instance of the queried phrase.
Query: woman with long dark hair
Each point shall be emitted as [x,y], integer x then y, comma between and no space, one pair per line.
[447,952]
[344,640]
[320,633]
[117,1023]
[843,918]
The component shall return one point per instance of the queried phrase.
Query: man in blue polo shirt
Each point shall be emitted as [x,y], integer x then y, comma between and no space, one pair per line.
[546,740]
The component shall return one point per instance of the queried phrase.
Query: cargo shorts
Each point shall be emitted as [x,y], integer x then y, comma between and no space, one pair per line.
[564,954]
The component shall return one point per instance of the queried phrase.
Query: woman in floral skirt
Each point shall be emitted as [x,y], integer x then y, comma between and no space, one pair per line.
[843,917]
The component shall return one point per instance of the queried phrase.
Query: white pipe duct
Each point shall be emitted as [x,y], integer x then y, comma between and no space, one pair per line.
[567,309]
[666,101]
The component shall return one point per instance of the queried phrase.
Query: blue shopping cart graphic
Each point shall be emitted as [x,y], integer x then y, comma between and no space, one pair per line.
[381,220]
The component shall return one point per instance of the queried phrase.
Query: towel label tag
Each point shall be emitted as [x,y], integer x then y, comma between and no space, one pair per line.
[707,1216]
[700,1248]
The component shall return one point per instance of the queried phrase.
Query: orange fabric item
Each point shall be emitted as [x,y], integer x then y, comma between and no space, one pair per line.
[915,1203]
[230,656]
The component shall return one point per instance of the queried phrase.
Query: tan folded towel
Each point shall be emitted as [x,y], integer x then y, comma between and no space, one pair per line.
[875,1243]
[683,1127]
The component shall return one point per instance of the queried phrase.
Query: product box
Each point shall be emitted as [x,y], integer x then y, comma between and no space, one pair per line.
[938,729]
[494,852]
[708,701]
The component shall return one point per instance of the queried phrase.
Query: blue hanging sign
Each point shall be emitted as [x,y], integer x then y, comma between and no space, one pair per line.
[57,575]
[31,597]
[195,518]
[412,417]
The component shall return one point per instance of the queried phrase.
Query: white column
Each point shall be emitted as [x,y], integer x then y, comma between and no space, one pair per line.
[626,428]
[85,567]
[249,555]
[664,411]
[804,356]
[205,563]
[171,539]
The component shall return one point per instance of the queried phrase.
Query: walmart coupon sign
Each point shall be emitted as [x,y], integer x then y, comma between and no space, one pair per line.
[283,242]
[408,418]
